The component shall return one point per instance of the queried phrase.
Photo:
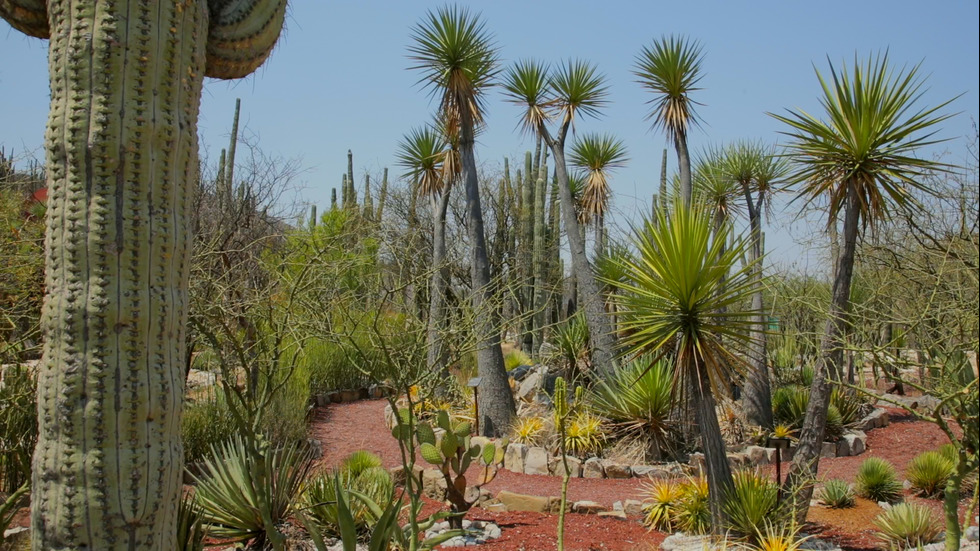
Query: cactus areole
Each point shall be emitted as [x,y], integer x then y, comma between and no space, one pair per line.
[122,159]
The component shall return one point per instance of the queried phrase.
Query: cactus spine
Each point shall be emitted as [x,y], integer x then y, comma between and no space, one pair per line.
[122,158]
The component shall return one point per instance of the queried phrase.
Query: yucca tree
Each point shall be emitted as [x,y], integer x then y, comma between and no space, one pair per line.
[860,155]
[458,61]
[596,155]
[756,169]
[670,68]
[571,90]
[714,187]
[427,158]
[683,297]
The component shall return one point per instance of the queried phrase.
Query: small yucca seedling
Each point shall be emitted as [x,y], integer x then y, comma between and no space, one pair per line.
[906,526]
[928,473]
[782,431]
[516,358]
[693,514]
[662,498]
[528,430]
[837,494]
[751,502]
[876,480]
[584,434]
[779,537]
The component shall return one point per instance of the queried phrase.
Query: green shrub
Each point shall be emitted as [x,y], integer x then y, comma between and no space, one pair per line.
[330,368]
[571,338]
[837,494]
[190,525]
[848,405]
[750,503]
[18,427]
[907,526]
[638,399]
[693,514]
[834,429]
[584,435]
[928,473]
[362,471]
[205,423]
[663,497]
[516,358]
[876,480]
[789,405]
[235,499]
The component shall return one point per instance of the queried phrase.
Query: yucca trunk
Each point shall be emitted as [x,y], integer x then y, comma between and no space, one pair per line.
[540,261]
[589,298]
[684,167]
[828,367]
[757,401]
[121,150]
[439,282]
[719,472]
[496,403]
[527,256]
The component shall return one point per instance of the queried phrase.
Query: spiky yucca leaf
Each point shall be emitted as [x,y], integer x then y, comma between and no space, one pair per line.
[928,473]
[595,155]
[907,526]
[876,480]
[751,502]
[837,494]
[528,430]
[663,496]
[671,69]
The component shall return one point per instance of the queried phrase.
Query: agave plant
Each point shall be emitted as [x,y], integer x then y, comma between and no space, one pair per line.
[751,502]
[876,480]
[528,430]
[837,494]
[693,513]
[928,473]
[663,497]
[907,526]
[361,471]
[191,529]
[247,489]
[584,434]
[638,400]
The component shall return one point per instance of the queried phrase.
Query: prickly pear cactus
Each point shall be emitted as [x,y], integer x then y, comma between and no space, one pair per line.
[121,153]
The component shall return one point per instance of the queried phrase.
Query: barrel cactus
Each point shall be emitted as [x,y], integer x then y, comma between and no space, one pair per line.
[122,159]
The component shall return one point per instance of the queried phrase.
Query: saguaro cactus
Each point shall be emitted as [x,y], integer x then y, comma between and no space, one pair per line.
[122,158]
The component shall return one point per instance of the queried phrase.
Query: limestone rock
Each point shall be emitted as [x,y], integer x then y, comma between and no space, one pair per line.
[433,484]
[520,502]
[618,515]
[536,461]
[588,507]
[633,507]
[829,449]
[757,455]
[616,470]
[514,457]
[557,467]
[593,468]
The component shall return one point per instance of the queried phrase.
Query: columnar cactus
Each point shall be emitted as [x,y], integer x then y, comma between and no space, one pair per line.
[540,257]
[122,159]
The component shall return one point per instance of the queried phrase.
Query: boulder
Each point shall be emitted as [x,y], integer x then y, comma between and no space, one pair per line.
[697,463]
[514,457]
[618,515]
[554,505]
[738,460]
[530,386]
[588,507]
[520,502]
[200,379]
[536,461]
[829,449]
[433,484]
[757,455]
[398,474]
[593,468]
[876,419]
[633,507]
[616,470]
[645,471]
[855,442]
[557,467]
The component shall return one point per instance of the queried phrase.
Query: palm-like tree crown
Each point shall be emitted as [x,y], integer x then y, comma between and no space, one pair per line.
[684,287]
[757,166]
[714,186]
[422,152]
[671,68]
[867,140]
[596,155]
[458,61]
[572,88]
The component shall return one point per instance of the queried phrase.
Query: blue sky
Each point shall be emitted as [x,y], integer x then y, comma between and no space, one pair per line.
[339,78]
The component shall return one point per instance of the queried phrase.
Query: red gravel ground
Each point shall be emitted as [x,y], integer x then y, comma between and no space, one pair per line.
[344,428]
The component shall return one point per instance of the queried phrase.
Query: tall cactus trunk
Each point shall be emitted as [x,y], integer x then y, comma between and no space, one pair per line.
[527,254]
[555,271]
[351,191]
[437,288]
[368,201]
[121,150]
[382,196]
[538,263]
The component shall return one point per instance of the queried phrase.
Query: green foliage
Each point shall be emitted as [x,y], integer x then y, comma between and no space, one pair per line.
[329,367]
[360,472]
[584,434]
[528,430]
[205,423]
[837,494]
[907,526]
[18,427]
[693,515]
[751,502]
[848,404]
[789,405]
[191,529]
[835,424]
[22,277]
[638,400]
[247,482]
[663,497]
[571,338]
[876,480]
[928,473]
[10,505]
[516,358]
